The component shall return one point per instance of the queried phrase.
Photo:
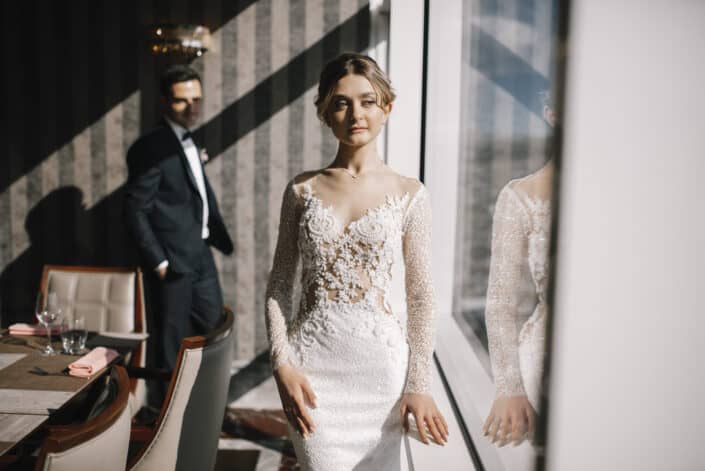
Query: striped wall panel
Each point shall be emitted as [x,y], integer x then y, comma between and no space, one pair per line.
[84,87]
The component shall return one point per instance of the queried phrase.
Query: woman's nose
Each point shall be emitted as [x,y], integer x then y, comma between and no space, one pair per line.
[356,111]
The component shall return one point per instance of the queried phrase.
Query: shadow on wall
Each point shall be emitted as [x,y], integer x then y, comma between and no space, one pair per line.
[76,60]
[63,232]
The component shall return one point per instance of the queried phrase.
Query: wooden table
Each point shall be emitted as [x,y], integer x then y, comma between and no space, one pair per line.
[26,399]
[15,427]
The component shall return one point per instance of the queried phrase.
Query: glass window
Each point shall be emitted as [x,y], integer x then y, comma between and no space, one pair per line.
[502,172]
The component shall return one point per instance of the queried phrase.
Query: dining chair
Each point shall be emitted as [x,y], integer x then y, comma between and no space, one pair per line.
[112,301]
[100,443]
[185,436]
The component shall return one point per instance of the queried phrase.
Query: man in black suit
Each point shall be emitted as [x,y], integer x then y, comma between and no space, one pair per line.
[172,213]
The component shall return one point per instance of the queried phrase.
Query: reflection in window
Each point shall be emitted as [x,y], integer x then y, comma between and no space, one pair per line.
[505,176]
[507,58]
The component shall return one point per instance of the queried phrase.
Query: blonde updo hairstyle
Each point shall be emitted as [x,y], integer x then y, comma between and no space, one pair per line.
[350,63]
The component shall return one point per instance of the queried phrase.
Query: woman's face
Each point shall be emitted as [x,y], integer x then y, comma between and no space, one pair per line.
[353,114]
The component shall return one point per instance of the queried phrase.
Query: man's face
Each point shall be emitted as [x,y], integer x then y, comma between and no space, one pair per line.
[184,105]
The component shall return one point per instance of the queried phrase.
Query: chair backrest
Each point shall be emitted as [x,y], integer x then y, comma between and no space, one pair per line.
[186,434]
[110,298]
[101,443]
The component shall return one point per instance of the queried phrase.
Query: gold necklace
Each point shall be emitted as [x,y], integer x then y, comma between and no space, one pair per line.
[354,175]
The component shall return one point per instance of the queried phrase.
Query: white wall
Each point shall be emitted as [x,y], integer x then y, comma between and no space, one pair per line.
[628,386]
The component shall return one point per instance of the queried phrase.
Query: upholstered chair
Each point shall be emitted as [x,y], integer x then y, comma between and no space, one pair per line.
[112,301]
[185,436]
[101,443]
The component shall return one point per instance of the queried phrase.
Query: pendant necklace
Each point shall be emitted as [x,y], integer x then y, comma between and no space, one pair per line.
[353,175]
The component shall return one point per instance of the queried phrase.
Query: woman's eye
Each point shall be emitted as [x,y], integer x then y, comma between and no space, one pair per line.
[339,105]
[369,102]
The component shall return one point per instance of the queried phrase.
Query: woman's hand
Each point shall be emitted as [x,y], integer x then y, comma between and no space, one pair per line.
[426,415]
[295,392]
[511,419]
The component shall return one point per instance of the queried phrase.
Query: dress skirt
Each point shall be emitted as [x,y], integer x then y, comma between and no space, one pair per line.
[355,357]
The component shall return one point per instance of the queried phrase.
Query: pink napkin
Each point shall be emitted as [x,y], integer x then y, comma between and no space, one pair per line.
[32,329]
[92,361]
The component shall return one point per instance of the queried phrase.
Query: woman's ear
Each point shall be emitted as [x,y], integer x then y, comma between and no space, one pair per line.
[387,109]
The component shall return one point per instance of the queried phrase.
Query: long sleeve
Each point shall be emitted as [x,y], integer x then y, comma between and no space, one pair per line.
[140,192]
[419,293]
[279,303]
[509,255]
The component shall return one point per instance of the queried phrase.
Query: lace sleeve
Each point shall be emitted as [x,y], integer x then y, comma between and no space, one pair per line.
[509,254]
[419,293]
[279,302]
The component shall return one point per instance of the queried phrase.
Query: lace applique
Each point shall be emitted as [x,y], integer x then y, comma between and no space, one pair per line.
[347,270]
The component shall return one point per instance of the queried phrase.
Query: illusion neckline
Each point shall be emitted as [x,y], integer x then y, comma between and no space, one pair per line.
[387,202]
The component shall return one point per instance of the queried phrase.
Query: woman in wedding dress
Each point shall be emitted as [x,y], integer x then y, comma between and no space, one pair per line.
[348,369]
[516,310]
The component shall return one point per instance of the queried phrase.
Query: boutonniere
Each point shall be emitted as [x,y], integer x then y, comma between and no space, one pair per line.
[204,156]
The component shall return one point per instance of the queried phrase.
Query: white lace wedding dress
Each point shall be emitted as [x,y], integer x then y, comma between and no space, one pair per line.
[515,314]
[357,353]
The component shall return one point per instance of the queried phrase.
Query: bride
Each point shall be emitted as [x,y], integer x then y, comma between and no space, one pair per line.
[348,370]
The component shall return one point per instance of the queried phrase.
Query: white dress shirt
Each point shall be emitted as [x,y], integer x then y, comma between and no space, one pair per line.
[194,162]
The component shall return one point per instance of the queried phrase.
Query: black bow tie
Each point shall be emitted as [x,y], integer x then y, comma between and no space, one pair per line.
[187,135]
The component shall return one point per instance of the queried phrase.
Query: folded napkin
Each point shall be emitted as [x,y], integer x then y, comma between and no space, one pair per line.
[92,362]
[32,329]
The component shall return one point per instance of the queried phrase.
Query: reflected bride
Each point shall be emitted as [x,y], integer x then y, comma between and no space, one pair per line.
[516,302]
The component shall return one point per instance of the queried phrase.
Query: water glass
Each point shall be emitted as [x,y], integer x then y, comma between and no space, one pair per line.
[48,312]
[74,334]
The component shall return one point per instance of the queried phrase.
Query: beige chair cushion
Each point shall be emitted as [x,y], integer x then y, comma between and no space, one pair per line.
[107,300]
[162,451]
[106,452]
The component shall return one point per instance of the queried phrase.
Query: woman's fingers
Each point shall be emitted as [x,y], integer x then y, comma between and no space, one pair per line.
[438,420]
[433,428]
[309,394]
[492,429]
[445,424]
[530,421]
[518,431]
[505,430]
[405,417]
[302,414]
[421,428]
[488,421]
[301,426]
[492,418]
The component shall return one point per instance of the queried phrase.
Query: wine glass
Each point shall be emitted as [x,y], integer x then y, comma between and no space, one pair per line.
[47,312]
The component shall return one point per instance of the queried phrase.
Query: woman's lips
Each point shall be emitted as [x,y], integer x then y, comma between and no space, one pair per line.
[357,130]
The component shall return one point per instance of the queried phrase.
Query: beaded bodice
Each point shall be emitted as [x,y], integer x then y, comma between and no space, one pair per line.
[350,266]
[343,263]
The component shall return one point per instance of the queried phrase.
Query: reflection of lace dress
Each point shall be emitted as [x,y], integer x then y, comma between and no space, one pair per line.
[345,338]
[516,294]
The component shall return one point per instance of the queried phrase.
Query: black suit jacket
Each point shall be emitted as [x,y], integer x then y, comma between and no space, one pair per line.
[163,208]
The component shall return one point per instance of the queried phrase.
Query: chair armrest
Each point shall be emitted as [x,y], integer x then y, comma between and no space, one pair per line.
[148,373]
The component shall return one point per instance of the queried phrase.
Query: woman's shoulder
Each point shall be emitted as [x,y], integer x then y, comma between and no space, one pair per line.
[401,185]
[297,184]
[535,186]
